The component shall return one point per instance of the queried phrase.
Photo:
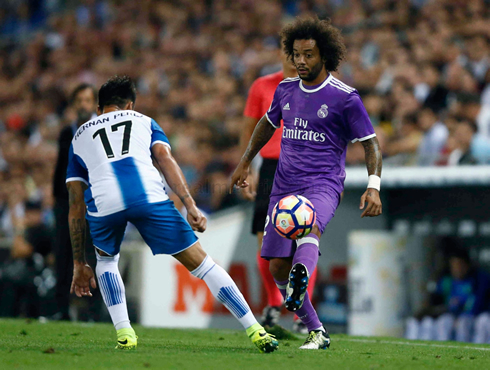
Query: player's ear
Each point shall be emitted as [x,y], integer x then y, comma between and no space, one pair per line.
[99,111]
[129,106]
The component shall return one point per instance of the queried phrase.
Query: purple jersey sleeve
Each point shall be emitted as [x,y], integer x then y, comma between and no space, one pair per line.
[274,114]
[357,119]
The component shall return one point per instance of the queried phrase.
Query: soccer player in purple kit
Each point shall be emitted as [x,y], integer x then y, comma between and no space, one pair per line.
[321,115]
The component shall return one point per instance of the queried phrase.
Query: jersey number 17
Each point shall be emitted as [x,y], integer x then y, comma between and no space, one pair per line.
[105,140]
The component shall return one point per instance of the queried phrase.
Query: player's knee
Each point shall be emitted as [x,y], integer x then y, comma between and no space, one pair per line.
[279,268]
[191,257]
[101,255]
[316,230]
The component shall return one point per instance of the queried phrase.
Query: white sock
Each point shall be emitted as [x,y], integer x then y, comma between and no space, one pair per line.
[225,290]
[112,289]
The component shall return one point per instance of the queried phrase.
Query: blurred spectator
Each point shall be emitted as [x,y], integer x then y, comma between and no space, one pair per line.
[462,137]
[403,147]
[434,139]
[459,304]
[469,106]
[470,147]
[30,253]
[84,104]
[431,92]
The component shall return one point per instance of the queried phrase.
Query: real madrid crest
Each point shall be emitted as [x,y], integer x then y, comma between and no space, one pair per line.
[323,111]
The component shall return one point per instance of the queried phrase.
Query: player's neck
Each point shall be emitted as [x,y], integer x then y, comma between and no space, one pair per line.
[110,108]
[289,72]
[322,76]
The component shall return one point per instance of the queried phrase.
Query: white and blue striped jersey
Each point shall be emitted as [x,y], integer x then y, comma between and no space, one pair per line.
[112,155]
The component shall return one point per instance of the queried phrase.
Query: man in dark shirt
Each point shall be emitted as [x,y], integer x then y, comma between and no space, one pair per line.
[84,102]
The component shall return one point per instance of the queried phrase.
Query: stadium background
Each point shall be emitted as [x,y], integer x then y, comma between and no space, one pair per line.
[417,64]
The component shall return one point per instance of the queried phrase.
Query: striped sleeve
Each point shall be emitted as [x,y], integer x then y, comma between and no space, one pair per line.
[157,135]
[76,170]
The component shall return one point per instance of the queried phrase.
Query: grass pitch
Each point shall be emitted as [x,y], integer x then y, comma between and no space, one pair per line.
[32,345]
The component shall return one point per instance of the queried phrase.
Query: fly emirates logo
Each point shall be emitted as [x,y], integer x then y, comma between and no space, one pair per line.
[300,132]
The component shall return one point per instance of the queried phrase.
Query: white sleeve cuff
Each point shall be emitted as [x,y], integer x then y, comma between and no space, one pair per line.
[268,119]
[161,142]
[71,179]
[364,138]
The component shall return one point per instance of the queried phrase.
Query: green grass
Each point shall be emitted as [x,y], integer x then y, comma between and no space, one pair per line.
[26,344]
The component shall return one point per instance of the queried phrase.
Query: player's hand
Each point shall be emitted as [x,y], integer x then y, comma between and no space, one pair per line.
[83,279]
[196,219]
[239,177]
[374,207]
[249,193]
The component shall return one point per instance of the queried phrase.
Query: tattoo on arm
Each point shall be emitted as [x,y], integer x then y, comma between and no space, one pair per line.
[76,220]
[374,158]
[261,135]
[77,235]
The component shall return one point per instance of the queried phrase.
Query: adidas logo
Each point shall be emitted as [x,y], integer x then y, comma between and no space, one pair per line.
[286,107]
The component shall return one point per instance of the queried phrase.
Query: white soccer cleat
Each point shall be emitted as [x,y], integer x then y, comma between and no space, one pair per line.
[317,339]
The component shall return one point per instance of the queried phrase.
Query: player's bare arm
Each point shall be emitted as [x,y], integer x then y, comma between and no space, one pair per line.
[249,125]
[261,135]
[83,276]
[374,164]
[176,180]
[247,132]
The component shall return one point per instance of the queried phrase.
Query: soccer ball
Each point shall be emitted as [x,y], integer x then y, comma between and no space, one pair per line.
[293,217]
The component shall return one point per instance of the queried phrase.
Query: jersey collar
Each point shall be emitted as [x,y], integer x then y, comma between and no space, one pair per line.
[325,83]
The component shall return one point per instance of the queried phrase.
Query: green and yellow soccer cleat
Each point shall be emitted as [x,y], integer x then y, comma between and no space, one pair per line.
[264,341]
[126,339]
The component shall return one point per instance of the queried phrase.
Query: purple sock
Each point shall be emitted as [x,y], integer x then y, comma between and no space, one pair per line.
[307,252]
[306,313]
[281,285]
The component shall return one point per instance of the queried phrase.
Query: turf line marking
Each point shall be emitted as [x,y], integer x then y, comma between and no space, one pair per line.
[414,344]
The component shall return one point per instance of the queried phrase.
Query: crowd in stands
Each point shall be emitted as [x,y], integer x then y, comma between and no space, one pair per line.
[422,68]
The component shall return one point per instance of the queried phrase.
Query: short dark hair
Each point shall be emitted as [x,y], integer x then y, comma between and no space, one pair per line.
[461,253]
[410,119]
[453,247]
[118,90]
[80,88]
[32,205]
[328,39]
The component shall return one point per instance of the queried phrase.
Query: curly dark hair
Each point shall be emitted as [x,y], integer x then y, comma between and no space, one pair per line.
[328,39]
[118,90]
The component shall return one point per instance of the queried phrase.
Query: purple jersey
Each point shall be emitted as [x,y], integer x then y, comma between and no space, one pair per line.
[319,121]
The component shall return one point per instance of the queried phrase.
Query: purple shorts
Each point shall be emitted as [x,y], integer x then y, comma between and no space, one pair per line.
[274,245]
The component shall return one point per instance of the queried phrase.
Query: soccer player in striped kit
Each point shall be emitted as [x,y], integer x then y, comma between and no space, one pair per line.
[258,102]
[111,181]
[320,116]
